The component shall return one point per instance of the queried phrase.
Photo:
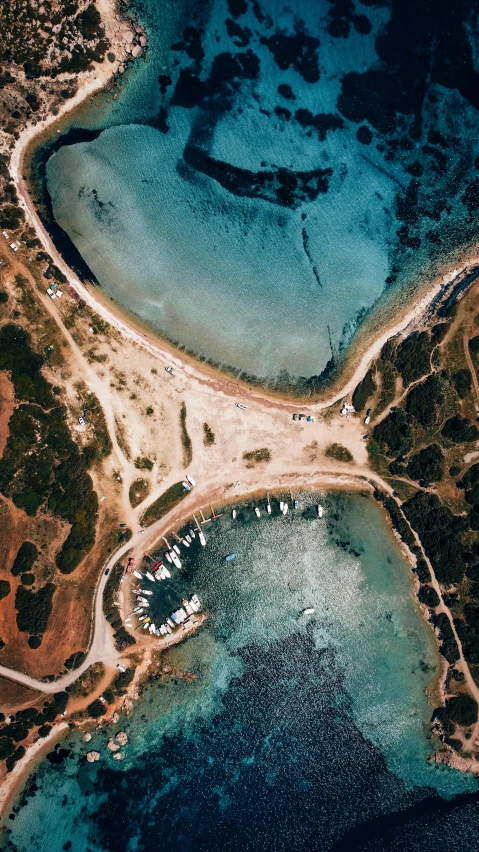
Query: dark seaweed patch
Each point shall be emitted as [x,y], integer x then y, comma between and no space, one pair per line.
[282,112]
[241,35]
[189,90]
[279,186]
[237,8]
[286,92]
[322,122]
[298,51]
[364,135]
[164,81]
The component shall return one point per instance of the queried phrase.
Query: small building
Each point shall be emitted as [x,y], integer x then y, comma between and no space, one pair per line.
[302,417]
[295,416]
[14,246]
[367,419]
[347,408]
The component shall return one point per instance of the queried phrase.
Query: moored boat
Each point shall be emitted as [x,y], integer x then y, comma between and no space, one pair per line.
[257,512]
[319,510]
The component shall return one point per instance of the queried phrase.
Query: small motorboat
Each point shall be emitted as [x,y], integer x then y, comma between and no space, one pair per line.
[257,512]
[230,557]
[310,610]
[233,514]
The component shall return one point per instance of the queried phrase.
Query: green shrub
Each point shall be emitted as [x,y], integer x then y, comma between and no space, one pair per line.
[17,755]
[4,589]
[427,464]
[185,438]
[393,434]
[168,500]
[427,595]
[75,660]
[474,345]
[27,579]
[44,731]
[462,381]
[462,710]
[413,357]
[364,391]
[6,748]
[338,452]
[96,709]
[3,297]
[262,455]
[209,435]
[460,430]
[26,556]
[424,400]
[440,533]
[34,641]
[34,608]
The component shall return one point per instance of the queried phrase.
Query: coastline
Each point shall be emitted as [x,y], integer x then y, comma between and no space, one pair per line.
[14,782]
[360,354]
[366,344]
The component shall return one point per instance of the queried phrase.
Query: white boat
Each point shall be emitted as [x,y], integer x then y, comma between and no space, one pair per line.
[166,573]
[281,505]
[176,561]
[285,508]
[145,591]
[138,609]
[319,510]
[176,549]
[233,514]
[201,537]
[268,508]
[188,538]
[168,628]
[192,534]
[150,576]
[186,486]
[310,610]
[257,512]
[190,480]
[195,602]
[183,541]
[170,622]
[168,557]
[137,574]
[184,614]
[189,608]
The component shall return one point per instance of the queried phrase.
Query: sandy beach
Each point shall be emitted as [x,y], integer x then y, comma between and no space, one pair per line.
[203,383]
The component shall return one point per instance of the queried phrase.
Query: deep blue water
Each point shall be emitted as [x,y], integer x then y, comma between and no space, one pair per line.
[305,732]
[271,172]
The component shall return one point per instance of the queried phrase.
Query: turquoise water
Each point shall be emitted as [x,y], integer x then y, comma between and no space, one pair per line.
[191,207]
[304,731]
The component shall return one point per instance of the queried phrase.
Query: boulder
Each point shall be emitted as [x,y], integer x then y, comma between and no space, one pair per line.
[93,756]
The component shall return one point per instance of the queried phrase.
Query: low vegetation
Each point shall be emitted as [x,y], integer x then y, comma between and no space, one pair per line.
[34,609]
[257,456]
[185,438]
[139,490]
[121,636]
[41,466]
[25,722]
[208,435]
[168,500]
[338,452]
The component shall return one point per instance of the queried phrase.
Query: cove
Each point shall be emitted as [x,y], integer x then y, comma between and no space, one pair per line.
[310,732]
[268,179]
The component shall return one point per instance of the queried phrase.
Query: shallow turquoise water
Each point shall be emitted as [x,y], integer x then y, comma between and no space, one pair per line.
[296,730]
[203,252]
